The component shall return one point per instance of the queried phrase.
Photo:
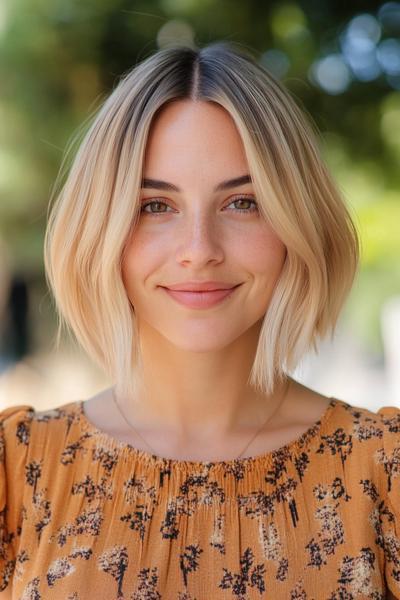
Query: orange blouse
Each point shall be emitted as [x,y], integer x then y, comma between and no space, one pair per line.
[86,516]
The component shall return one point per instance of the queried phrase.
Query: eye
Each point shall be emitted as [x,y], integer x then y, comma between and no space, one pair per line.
[152,203]
[245,199]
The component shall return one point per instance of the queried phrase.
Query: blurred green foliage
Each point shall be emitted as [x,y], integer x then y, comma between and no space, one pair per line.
[59,58]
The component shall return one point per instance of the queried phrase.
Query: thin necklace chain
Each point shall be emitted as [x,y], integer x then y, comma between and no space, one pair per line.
[244,449]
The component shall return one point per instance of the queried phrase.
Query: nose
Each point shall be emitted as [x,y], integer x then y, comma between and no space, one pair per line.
[199,241]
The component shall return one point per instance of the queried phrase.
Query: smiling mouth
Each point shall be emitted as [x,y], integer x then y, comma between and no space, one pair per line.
[201,299]
[204,291]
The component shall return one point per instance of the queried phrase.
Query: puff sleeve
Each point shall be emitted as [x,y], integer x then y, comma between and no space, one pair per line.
[387,458]
[12,454]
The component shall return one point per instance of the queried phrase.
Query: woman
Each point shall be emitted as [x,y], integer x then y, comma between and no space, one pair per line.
[198,249]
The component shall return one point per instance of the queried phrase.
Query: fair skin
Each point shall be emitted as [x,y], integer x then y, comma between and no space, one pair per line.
[196,402]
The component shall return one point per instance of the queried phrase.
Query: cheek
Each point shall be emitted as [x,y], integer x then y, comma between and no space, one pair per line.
[143,255]
[133,265]
[265,254]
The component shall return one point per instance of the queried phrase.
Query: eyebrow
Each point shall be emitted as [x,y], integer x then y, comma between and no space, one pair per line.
[158,184]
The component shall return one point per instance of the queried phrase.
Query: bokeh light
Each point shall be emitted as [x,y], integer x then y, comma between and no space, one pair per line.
[389,16]
[331,74]
[358,44]
[388,55]
[175,32]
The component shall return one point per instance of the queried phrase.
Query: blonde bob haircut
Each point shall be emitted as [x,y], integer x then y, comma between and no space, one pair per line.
[97,207]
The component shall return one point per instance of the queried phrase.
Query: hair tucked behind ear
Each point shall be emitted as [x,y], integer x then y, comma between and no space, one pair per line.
[97,207]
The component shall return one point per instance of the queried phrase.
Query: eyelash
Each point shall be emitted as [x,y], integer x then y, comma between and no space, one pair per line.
[239,210]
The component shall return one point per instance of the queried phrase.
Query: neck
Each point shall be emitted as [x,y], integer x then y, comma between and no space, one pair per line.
[182,390]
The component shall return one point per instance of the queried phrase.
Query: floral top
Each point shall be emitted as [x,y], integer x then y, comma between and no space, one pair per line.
[86,516]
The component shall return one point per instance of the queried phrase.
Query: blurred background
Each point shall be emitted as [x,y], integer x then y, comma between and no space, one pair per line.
[60,58]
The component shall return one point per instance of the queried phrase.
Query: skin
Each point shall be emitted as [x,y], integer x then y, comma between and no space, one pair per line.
[197,362]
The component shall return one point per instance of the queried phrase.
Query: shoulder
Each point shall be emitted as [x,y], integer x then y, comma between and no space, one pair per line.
[30,440]
[24,449]
[368,444]
[13,421]
[387,456]
[22,426]
[360,437]
[366,448]
[365,422]
[11,413]
[27,434]
[387,462]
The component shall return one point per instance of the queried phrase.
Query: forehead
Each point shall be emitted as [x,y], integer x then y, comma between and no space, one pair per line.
[194,134]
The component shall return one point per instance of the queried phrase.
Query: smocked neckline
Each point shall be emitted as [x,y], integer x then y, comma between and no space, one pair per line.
[156,460]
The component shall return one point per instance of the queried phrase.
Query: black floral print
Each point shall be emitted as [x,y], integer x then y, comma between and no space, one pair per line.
[83,515]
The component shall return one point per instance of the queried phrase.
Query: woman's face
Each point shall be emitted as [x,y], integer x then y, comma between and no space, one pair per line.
[198,233]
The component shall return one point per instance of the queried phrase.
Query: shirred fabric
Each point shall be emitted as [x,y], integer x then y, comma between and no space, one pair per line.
[86,516]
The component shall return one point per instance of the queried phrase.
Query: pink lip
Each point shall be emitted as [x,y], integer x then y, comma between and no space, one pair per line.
[200,286]
[200,299]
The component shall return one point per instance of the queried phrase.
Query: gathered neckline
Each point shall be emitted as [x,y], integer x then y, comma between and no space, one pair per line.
[156,460]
